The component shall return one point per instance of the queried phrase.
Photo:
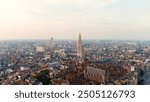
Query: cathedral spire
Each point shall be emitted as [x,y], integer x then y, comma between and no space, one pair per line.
[79,47]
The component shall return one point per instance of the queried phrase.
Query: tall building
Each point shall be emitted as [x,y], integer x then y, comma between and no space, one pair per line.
[51,45]
[79,47]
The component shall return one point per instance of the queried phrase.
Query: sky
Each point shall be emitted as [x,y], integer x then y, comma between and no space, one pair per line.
[64,19]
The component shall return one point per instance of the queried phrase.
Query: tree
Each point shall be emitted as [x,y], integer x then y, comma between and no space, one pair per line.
[44,78]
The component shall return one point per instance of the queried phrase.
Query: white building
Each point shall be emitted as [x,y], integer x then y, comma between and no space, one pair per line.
[40,49]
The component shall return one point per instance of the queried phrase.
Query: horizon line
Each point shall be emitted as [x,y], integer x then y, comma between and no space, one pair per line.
[76,39]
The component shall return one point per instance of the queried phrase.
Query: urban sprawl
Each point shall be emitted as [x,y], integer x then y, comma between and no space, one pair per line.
[71,62]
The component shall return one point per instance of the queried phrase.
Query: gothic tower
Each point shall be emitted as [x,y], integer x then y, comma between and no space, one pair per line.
[79,47]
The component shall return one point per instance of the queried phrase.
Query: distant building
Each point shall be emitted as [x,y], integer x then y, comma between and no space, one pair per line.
[40,49]
[79,47]
[23,68]
[51,45]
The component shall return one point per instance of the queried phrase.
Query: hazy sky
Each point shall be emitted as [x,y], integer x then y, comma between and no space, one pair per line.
[64,19]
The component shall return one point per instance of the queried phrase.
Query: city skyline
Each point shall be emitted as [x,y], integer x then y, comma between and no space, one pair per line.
[98,19]
[70,63]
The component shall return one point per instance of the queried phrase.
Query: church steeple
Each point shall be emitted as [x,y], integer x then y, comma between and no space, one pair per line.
[79,47]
